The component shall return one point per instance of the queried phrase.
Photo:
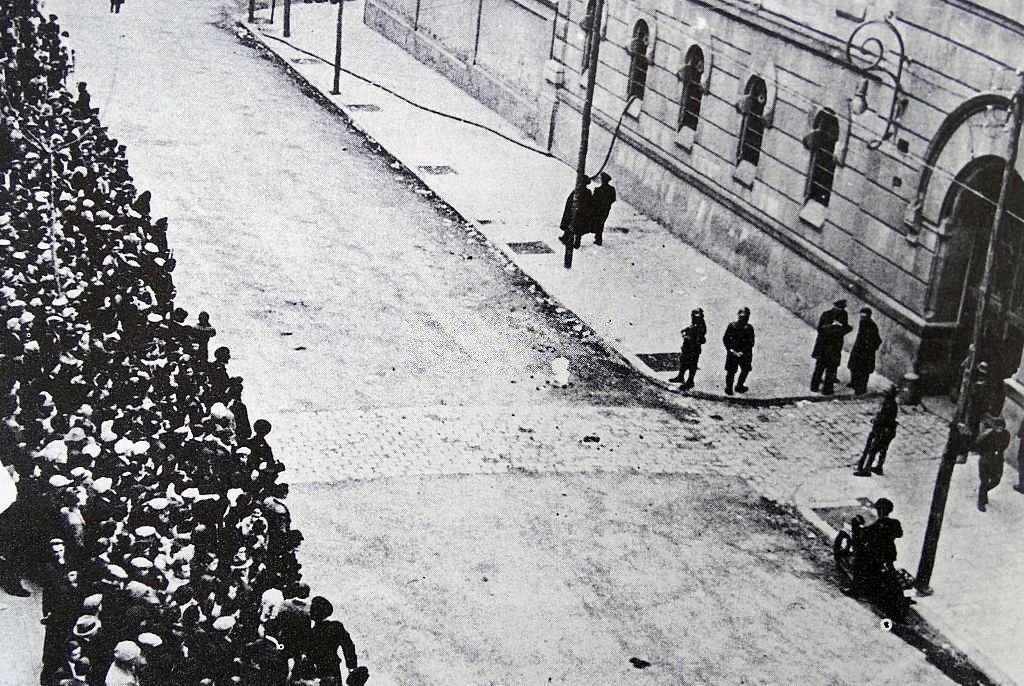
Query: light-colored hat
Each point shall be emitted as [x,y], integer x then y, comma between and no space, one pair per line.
[59,481]
[145,532]
[75,435]
[87,626]
[224,623]
[123,446]
[127,651]
[150,640]
[93,602]
[102,484]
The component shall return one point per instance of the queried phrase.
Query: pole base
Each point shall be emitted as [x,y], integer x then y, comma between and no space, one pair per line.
[925,591]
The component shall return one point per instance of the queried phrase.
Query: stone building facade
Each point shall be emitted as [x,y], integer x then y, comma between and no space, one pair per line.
[767,134]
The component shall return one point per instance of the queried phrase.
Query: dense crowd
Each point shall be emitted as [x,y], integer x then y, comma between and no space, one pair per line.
[148,507]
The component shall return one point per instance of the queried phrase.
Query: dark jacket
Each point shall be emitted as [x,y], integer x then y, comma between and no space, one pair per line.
[862,355]
[739,336]
[833,325]
[604,197]
[579,222]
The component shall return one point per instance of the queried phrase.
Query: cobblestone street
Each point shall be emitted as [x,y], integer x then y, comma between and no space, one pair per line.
[473,522]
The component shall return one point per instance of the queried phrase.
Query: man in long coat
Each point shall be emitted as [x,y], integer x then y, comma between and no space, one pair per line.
[862,356]
[604,198]
[833,325]
[577,215]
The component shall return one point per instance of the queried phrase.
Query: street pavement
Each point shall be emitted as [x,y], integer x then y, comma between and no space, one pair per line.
[404,357]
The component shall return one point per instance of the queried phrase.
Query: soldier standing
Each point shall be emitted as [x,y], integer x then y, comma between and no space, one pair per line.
[694,337]
[739,351]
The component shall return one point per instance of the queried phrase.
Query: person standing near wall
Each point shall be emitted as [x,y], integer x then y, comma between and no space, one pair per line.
[862,356]
[833,325]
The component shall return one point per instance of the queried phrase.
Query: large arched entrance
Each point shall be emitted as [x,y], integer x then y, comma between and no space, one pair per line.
[968,212]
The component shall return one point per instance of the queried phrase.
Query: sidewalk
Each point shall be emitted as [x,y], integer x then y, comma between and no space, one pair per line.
[977,603]
[636,292]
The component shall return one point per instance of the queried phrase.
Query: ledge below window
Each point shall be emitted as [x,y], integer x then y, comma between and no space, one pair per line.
[634,108]
[685,138]
[814,213]
[745,174]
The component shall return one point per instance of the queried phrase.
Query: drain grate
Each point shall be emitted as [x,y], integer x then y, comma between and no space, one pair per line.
[363,107]
[436,169]
[531,248]
[661,362]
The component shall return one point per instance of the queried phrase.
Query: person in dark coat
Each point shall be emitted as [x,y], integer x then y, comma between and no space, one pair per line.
[862,356]
[326,636]
[992,441]
[875,558]
[833,325]
[694,337]
[576,217]
[883,430]
[739,351]
[1019,486]
[604,198]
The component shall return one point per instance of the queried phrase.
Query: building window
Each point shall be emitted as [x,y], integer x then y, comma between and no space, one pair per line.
[822,144]
[751,106]
[638,60]
[693,91]
[587,25]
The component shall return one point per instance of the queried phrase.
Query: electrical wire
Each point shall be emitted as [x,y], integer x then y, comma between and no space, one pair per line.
[408,101]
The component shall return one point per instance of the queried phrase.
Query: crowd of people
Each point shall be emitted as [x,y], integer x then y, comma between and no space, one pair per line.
[147,506]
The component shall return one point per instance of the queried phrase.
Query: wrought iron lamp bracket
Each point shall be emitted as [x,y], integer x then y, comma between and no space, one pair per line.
[873,50]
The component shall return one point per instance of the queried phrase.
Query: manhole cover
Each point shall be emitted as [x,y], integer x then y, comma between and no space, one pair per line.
[436,169]
[530,248]
[837,516]
[661,362]
[305,60]
[363,107]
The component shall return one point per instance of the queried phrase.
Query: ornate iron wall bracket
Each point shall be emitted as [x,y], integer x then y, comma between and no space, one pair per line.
[871,57]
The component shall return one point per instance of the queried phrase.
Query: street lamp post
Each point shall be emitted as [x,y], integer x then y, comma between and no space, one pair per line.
[252,11]
[287,18]
[958,431]
[337,49]
[588,106]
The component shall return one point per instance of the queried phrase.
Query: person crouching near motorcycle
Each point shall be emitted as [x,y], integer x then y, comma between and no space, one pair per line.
[875,552]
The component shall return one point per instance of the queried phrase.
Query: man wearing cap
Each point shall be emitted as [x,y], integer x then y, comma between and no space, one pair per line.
[694,337]
[862,355]
[875,555]
[992,441]
[124,669]
[739,351]
[833,325]
[576,217]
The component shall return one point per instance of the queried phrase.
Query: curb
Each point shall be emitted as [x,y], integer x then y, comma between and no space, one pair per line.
[934,619]
[257,37]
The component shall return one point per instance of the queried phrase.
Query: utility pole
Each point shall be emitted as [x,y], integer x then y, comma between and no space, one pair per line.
[287,18]
[959,433]
[588,106]
[337,49]
[252,11]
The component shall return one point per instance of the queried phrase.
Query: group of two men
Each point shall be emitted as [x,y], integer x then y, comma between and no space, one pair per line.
[833,326]
[586,212]
[739,350]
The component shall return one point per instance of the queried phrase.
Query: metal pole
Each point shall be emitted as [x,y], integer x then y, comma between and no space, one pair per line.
[588,106]
[337,49]
[958,430]
[287,18]
[252,11]
[273,6]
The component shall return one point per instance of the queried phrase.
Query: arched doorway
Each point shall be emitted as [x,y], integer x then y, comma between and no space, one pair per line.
[968,212]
